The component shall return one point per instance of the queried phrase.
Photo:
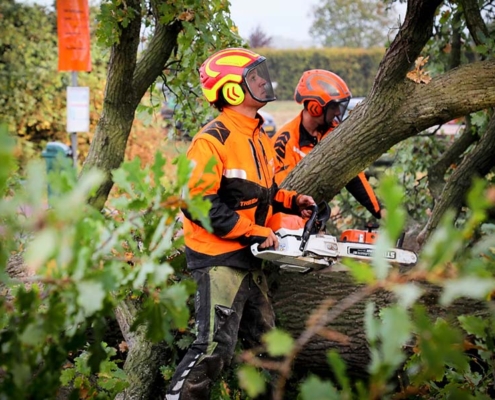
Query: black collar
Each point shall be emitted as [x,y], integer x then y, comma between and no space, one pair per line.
[305,139]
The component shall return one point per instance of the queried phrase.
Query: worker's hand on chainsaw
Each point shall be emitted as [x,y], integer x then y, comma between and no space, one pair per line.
[271,241]
[304,202]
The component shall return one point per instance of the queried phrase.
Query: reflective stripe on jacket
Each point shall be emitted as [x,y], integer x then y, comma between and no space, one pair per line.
[292,143]
[241,187]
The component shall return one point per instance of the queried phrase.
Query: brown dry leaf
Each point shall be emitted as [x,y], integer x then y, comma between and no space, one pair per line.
[123,347]
[418,74]
[173,201]
[186,16]
[490,194]
[67,365]
[83,393]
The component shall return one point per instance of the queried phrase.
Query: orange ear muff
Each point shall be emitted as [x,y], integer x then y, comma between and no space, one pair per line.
[233,93]
[314,108]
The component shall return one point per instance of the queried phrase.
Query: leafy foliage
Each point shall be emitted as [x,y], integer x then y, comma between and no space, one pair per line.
[110,380]
[81,264]
[207,27]
[437,358]
[32,91]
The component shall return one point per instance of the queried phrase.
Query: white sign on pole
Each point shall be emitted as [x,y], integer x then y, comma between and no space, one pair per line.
[77,109]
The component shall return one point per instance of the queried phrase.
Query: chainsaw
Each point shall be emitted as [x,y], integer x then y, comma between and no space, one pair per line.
[310,249]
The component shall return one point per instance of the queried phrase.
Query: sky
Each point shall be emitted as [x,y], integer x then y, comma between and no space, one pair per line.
[290,19]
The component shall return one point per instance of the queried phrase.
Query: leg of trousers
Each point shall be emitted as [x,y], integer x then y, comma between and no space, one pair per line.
[229,302]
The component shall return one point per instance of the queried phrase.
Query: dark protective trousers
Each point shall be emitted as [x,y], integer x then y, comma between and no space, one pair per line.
[230,303]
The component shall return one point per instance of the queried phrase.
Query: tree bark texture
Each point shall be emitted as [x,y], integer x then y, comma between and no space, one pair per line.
[143,360]
[296,296]
[452,157]
[476,164]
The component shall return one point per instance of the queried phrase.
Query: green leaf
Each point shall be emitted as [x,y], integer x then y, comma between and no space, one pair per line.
[473,287]
[32,335]
[251,380]
[278,342]
[158,168]
[340,370]
[184,342]
[314,388]
[22,374]
[392,196]
[474,325]
[380,264]
[407,294]
[91,296]
[42,247]
[361,272]
[440,344]
[184,170]
[67,376]
[7,161]
[394,319]
[443,244]
[371,324]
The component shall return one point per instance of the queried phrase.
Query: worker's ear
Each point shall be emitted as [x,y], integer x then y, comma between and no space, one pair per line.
[233,93]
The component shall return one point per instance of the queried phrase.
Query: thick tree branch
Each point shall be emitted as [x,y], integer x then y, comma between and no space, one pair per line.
[437,171]
[477,164]
[407,45]
[382,122]
[157,52]
[474,21]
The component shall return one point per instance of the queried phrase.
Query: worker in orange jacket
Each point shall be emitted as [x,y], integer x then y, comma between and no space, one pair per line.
[325,97]
[232,293]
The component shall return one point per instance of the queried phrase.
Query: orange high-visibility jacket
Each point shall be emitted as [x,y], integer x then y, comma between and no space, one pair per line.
[241,187]
[292,142]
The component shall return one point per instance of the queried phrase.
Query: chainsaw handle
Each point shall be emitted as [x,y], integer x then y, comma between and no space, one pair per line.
[265,248]
[308,226]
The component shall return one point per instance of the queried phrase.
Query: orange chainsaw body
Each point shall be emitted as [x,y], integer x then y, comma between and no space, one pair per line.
[358,236]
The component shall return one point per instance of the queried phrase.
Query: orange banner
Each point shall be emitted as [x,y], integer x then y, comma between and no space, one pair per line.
[73,35]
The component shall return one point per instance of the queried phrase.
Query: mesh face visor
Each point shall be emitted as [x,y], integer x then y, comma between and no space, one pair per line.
[258,82]
[340,104]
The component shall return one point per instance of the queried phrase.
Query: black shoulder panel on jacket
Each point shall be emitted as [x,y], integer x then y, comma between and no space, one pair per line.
[280,144]
[218,130]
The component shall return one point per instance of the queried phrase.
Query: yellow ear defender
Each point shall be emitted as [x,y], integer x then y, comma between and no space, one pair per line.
[233,93]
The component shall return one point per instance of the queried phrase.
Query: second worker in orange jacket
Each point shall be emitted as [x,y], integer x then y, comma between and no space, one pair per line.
[325,97]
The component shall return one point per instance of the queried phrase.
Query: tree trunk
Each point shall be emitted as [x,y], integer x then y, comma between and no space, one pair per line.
[143,360]
[127,83]
[296,296]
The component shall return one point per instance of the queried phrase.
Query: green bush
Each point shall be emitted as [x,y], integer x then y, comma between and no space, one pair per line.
[356,66]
